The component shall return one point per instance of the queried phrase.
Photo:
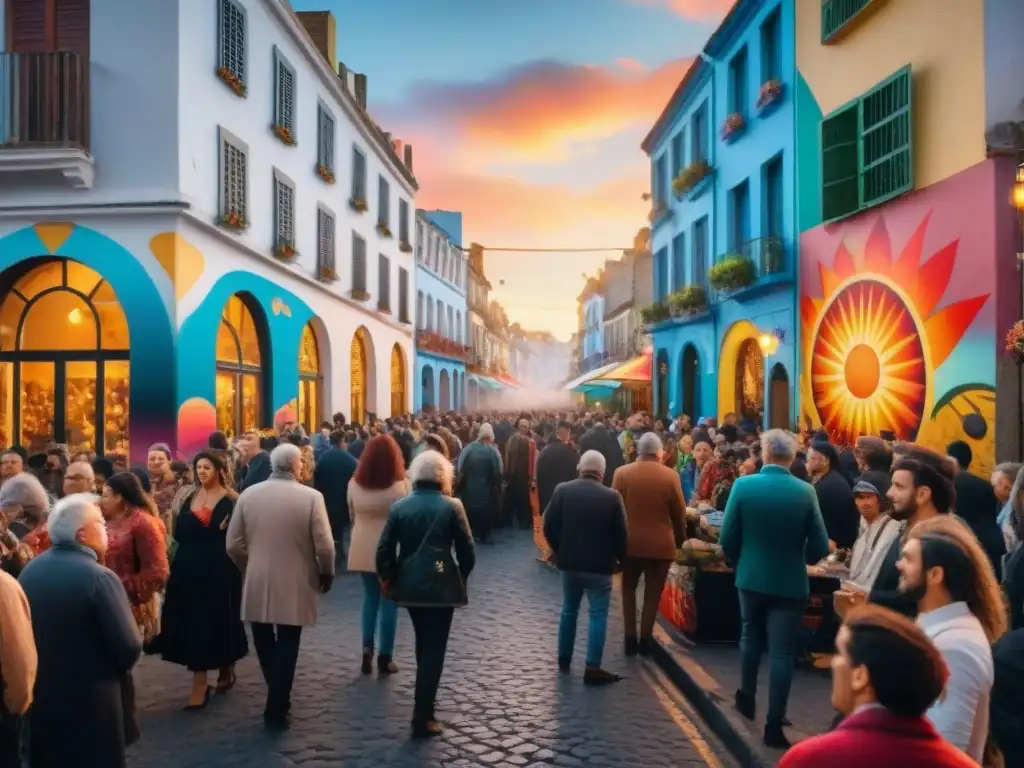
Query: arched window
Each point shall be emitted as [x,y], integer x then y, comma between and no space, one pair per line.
[239,370]
[359,378]
[441,330]
[458,327]
[63,361]
[430,314]
[419,310]
[398,401]
[310,381]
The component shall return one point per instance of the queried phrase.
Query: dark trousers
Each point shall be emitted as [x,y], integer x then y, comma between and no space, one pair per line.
[773,623]
[655,572]
[12,740]
[431,626]
[277,648]
[481,521]
[517,504]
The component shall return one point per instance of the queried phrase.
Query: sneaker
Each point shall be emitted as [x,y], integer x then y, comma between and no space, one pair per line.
[598,676]
[746,705]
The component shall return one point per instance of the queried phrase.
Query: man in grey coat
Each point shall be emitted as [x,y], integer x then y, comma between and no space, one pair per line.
[280,539]
[87,642]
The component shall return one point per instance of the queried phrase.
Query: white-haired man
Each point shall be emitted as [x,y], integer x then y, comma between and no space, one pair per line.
[280,538]
[655,515]
[87,642]
[479,483]
[585,526]
[772,528]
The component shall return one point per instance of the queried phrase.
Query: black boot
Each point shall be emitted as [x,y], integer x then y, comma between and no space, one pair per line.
[774,736]
[367,665]
[746,705]
[631,646]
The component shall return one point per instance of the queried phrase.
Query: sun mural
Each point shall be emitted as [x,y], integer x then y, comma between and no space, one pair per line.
[876,335]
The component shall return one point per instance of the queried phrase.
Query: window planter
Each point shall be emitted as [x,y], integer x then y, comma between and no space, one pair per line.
[383,229]
[327,275]
[690,178]
[357,205]
[732,273]
[232,81]
[769,97]
[360,295]
[234,221]
[655,313]
[735,125]
[325,174]
[285,251]
[284,133]
[384,308]
[405,246]
[691,300]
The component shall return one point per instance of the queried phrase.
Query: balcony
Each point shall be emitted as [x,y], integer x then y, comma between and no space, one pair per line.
[44,116]
[436,344]
[756,263]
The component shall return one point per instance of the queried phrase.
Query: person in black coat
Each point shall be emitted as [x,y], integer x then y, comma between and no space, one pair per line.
[254,463]
[356,446]
[87,642]
[599,439]
[585,526]
[835,496]
[556,464]
[1006,709]
[331,477]
[977,505]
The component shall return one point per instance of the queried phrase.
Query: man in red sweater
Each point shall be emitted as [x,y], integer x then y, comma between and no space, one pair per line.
[885,675]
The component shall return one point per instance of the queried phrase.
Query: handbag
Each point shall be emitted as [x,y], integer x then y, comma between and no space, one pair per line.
[429,577]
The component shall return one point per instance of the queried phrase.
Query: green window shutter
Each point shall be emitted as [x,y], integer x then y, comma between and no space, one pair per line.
[840,163]
[887,159]
[836,14]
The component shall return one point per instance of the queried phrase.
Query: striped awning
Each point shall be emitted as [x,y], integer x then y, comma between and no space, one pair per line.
[485,381]
[635,371]
[586,378]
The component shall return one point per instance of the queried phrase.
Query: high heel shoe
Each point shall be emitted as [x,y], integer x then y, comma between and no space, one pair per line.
[206,701]
[225,684]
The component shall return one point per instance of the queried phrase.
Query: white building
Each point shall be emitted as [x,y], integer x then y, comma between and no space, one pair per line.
[214,231]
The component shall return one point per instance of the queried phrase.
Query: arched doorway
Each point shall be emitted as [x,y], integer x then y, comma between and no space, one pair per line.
[310,381]
[444,390]
[240,385]
[360,388]
[779,398]
[661,403]
[63,361]
[690,383]
[398,402]
[750,382]
[427,385]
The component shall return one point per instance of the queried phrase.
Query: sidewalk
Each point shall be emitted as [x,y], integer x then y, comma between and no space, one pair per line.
[708,675]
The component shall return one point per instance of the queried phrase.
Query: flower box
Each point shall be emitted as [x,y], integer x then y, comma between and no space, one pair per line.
[1015,342]
[284,133]
[655,313]
[769,97]
[325,173]
[285,251]
[691,300]
[732,273]
[734,126]
[233,220]
[405,246]
[690,177]
[383,229]
[357,205]
[359,294]
[232,81]
[327,274]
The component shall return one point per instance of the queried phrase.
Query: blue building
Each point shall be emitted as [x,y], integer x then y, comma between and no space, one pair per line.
[591,304]
[442,337]
[724,225]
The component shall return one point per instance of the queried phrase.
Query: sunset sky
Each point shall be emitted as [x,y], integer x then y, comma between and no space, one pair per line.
[527,116]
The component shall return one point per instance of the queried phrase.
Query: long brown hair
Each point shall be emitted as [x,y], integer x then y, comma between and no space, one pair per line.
[381,464]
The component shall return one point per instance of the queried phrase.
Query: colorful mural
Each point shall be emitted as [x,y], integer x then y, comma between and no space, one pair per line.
[898,319]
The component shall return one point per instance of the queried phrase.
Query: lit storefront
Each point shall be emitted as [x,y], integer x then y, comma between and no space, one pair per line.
[239,371]
[399,402]
[359,384]
[310,381]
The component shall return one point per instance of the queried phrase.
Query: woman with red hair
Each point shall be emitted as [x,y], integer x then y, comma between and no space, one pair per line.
[379,481]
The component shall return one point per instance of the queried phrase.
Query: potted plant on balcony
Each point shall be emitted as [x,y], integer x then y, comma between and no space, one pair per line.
[232,81]
[284,250]
[690,177]
[1015,342]
[655,313]
[769,96]
[284,133]
[233,220]
[327,274]
[325,174]
[733,272]
[360,294]
[357,204]
[404,246]
[688,301]
[383,229]
[733,127]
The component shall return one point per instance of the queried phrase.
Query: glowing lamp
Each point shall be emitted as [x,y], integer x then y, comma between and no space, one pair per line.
[1017,192]
[75,316]
[769,343]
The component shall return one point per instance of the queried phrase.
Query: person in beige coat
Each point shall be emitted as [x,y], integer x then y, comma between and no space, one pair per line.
[18,665]
[281,541]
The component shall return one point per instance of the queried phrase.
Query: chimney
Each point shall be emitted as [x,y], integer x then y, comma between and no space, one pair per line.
[361,91]
[408,157]
[343,75]
[321,29]
[396,145]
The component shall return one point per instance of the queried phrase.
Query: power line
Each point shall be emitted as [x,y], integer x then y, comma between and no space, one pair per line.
[556,250]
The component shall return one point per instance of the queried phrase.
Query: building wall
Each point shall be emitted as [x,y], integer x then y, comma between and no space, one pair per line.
[593,314]
[440,382]
[135,148]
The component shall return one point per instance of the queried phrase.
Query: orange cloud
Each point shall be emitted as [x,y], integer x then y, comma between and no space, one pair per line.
[698,10]
[543,111]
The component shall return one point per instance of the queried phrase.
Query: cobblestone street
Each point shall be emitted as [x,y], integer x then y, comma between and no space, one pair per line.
[501,695]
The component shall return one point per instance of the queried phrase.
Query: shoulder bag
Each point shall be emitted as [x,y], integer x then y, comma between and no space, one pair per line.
[429,577]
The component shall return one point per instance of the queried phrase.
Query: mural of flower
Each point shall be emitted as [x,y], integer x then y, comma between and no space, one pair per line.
[876,335]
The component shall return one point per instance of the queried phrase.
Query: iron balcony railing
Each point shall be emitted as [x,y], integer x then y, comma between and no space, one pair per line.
[44,100]
[746,264]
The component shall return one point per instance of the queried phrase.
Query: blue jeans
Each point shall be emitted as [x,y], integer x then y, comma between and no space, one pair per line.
[374,605]
[772,622]
[598,588]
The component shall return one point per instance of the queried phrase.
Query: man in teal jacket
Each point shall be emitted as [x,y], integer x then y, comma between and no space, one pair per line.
[772,529]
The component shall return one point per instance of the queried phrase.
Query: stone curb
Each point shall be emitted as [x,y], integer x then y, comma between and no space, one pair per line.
[700,689]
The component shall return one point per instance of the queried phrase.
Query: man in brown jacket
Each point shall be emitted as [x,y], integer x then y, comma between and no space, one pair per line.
[655,520]
[18,663]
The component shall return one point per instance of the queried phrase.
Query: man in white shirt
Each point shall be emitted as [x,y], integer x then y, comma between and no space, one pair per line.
[943,568]
[877,532]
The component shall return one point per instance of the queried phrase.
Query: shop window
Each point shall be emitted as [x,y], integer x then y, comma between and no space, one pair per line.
[310,381]
[357,360]
[398,402]
[64,349]
[239,388]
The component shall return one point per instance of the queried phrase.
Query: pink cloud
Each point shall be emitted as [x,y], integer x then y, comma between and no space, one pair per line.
[697,10]
[630,65]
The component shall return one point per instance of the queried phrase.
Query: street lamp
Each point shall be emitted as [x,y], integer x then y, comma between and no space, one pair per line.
[1017,191]
[769,342]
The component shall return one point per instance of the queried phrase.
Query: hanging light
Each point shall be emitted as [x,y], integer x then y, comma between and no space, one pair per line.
[1017,191]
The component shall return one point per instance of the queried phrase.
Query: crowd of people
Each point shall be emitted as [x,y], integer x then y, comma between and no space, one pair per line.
[175,558]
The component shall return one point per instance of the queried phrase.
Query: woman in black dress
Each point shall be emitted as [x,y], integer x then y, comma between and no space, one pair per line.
[201,626]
